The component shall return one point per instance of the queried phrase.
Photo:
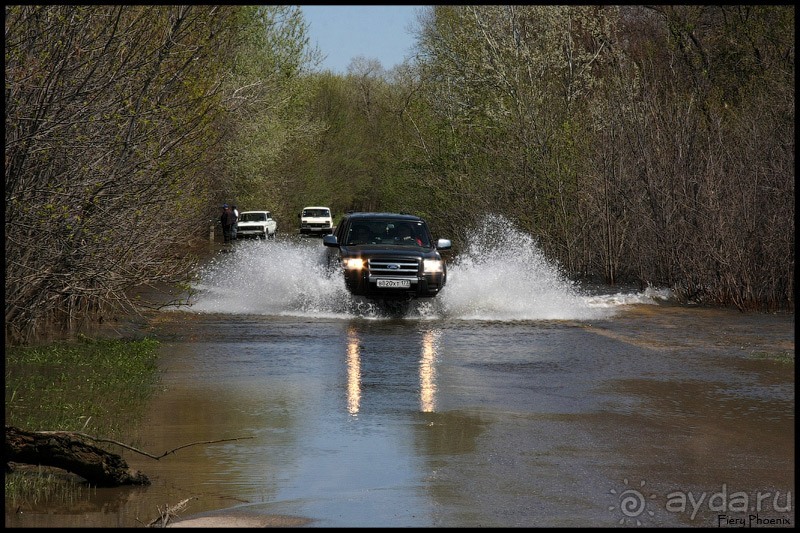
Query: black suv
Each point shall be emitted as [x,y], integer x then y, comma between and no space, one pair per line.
[387,256]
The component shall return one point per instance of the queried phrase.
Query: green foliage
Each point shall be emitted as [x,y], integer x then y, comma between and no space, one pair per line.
[94,386]
[622,137]
[267,120]
[637,143]
[123,130]
[786,358]
[29,488]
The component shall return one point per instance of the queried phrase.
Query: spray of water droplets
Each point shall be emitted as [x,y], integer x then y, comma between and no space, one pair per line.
[501,275]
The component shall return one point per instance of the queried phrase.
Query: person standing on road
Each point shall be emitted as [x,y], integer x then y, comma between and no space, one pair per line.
[227,220]
[235,226]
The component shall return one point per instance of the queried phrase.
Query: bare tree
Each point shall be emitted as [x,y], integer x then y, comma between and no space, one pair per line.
[108,114]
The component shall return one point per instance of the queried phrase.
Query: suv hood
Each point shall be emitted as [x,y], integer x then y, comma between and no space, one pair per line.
[390,251]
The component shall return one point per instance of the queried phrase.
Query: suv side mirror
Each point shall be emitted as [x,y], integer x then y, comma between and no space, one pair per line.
[330,240]
[443,244]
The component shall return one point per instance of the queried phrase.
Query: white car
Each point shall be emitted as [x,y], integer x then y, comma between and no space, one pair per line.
[316,220]
[258,224]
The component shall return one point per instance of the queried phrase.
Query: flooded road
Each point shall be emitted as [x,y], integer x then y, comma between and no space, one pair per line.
[513,399]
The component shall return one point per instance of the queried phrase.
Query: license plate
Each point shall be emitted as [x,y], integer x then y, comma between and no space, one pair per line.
[394,283]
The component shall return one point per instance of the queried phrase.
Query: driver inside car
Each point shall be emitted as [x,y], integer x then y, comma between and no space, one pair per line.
[404,236]
[360,235]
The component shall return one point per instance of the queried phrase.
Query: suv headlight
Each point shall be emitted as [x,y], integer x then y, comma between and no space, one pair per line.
[354,263]
[433,265]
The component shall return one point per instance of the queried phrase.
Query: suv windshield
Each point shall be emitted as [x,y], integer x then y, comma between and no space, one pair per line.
[388,231]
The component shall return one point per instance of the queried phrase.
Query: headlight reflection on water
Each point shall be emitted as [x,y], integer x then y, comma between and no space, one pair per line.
[427,371]
[353,372]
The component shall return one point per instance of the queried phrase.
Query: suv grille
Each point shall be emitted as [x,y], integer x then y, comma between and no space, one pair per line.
[394,267]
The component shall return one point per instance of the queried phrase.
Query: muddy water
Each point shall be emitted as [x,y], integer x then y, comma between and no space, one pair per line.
[514,399]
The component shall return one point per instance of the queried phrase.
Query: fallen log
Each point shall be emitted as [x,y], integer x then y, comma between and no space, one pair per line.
[69,451]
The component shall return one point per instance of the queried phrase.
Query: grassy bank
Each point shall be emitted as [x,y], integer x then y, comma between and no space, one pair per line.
[98,387]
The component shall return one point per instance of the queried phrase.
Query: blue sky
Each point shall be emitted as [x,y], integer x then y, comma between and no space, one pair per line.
[375,32]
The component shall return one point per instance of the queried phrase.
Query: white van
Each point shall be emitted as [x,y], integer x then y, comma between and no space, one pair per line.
[316,220]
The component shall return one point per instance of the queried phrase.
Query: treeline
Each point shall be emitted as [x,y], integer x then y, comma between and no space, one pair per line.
[123,125]
[636,144]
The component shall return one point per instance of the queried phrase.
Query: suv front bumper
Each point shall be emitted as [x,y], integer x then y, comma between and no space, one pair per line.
[361,283]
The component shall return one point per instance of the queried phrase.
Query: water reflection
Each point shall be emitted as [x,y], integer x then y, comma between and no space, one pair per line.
[370,422]
[353,371]
[427,370]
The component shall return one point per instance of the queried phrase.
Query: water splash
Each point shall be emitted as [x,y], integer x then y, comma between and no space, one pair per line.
[502,275]
[271,278]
